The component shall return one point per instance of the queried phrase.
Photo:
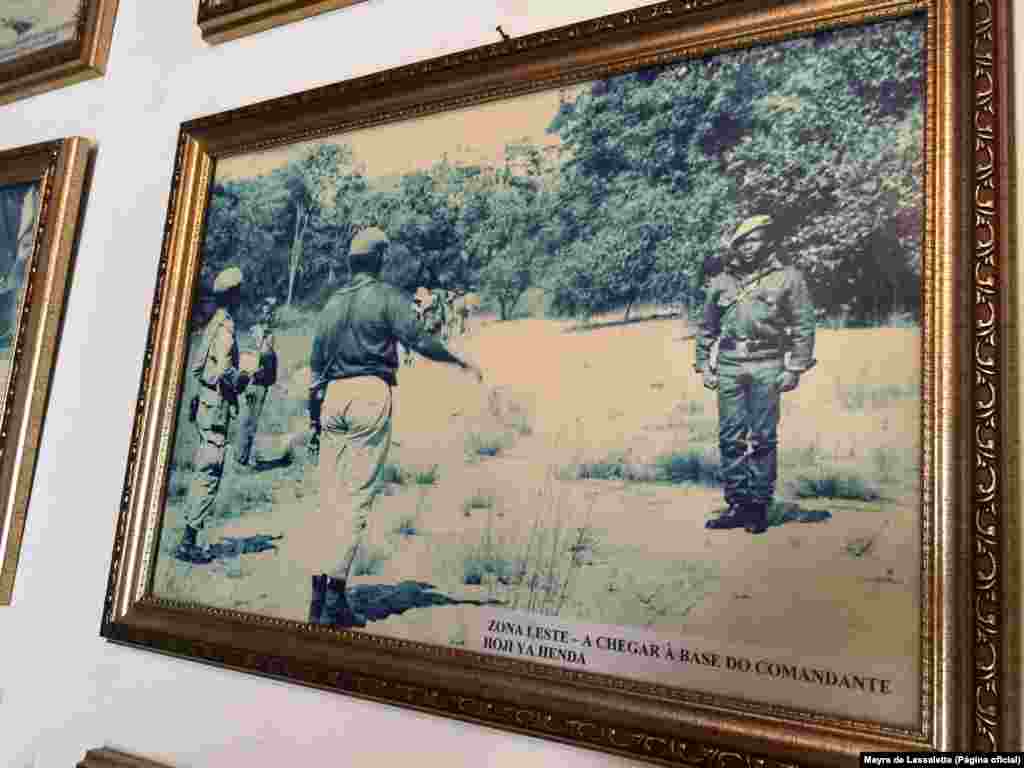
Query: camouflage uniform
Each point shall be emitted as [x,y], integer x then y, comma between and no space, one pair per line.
[256,393]
[220,381]
[762,320]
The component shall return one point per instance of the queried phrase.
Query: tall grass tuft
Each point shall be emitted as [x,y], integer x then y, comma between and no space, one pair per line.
[693,465]
[688,466]
[835,483]
[480,442]
[427,476]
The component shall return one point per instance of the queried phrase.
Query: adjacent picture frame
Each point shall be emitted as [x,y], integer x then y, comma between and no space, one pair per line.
[240,601]
[223,20]
[47,45]
[43,189]
[105,757]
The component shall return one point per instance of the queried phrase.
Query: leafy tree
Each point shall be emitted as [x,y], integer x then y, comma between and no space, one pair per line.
[317,182]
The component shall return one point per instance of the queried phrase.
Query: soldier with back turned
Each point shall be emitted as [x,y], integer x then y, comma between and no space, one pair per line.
[756,340]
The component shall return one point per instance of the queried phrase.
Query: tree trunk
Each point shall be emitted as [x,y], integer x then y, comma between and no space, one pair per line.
[629,307]
[301,217]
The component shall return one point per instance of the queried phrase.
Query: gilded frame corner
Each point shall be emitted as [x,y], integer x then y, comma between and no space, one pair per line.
[223,20]
[81,58]
[969,700]
[61,168]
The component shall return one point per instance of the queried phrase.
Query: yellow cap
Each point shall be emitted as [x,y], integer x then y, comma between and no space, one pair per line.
[227,279]
[748,226]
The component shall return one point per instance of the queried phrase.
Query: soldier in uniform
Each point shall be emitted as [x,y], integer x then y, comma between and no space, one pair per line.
[263,378]
[756,340]
[354,363]
[220,383]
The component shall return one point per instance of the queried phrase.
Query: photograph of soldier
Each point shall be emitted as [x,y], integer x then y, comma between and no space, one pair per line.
[19,204]
[760,316]
[220,383]
[354,365]
[756,214]
[261,364]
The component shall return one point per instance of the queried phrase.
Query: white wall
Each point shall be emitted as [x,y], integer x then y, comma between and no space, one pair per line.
[62,688]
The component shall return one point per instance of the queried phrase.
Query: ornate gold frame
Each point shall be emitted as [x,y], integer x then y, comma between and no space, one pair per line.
[61,168]
[81,58]
[222,20]
[968,694]
[113,758]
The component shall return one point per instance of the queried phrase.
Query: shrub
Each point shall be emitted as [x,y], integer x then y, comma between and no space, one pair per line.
[428,476]
[481,443]
[479,500]
[407,526]
[690,466]
[835,483]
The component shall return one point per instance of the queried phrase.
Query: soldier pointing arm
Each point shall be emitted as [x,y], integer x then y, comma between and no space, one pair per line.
[354,365]
[759,319]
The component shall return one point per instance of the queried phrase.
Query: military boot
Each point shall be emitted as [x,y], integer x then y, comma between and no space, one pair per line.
[189,551]
[757,518]
[733,517]
[316,604]
[337,612]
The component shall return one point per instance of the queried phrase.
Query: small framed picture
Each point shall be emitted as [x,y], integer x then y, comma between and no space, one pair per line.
[222,20]
[47,44]
[41,192]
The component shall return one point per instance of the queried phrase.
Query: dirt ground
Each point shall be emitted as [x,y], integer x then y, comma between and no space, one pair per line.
[520,528]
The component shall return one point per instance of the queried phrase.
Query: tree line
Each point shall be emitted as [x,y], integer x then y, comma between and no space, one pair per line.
[651,171]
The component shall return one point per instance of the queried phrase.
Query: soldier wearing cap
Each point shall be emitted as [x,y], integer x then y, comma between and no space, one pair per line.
[354,363]
[756,339]
[220,382]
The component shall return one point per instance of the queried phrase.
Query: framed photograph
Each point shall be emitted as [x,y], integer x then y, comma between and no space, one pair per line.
[47,44]
[113,758]
[41,195]
[640,384]
[222,20]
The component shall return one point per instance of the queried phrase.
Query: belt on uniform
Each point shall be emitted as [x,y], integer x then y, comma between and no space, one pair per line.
[748,346]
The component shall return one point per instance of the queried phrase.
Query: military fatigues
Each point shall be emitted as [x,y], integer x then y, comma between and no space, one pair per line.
[764,325]
[216,372]
[354,362]
[256,393]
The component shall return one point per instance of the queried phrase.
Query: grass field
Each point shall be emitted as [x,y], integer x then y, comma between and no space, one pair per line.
[576,482]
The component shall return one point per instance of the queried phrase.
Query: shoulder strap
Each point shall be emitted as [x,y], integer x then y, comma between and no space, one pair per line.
[747,288]
[208,335]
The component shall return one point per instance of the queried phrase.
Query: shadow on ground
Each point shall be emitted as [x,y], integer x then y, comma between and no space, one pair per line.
[784,512]
[379,601]
[246,545]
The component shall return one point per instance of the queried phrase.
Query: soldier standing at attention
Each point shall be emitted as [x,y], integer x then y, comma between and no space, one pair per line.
[354,362]
[760,314]
[220,383]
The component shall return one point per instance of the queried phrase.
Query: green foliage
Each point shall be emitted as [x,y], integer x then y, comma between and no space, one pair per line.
[479,500]
[651,172]
[480,442]
[427,476]
[823,132]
